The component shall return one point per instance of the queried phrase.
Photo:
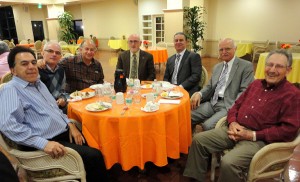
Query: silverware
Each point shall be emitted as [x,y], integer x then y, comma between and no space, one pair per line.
[124,110]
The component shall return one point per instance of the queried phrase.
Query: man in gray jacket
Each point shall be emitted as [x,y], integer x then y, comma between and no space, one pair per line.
[229,79]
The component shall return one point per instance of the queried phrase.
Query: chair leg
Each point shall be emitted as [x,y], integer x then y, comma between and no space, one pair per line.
[214,164]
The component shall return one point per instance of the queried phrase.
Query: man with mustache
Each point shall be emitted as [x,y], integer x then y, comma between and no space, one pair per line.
[30,116]
[268,111]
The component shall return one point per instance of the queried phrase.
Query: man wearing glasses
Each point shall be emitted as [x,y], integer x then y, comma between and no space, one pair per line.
[268,111]
[53,76]
[136,63]
[229,79]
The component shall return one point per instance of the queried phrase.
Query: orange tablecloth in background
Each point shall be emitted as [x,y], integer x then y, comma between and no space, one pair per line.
[26,45]
[160,55]
[136,137]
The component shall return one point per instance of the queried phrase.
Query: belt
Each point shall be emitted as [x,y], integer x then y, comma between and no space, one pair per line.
[220,98]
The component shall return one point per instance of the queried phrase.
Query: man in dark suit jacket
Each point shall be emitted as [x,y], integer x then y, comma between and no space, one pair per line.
[145,63]
[187,72]
[238,77]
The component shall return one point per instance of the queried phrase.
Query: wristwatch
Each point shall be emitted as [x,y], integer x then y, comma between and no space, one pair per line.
[254,136]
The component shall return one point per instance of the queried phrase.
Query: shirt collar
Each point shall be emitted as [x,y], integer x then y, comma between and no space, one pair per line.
[181,53]
[137,53]
[24,83]
[280,84]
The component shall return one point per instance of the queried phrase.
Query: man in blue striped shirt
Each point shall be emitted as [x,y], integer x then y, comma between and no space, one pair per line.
[30,116]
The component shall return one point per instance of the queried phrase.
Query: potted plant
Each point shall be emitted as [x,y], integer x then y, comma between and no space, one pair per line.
[194,25]
[66,32]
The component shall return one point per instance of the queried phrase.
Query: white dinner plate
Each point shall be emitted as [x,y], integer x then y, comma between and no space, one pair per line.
[98,106]
[94,87]
[172,95]
[83,95]
[149,111]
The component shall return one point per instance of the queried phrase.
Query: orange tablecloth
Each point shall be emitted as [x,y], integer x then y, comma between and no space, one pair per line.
[26,45]
[136,137]
[160,55]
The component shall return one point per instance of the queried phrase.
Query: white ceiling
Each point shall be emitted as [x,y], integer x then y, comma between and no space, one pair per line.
[45,2]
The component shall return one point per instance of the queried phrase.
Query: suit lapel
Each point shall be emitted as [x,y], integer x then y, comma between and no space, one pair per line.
[234,67]
[141,62]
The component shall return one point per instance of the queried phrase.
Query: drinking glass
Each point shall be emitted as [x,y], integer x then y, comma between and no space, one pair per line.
[137,97]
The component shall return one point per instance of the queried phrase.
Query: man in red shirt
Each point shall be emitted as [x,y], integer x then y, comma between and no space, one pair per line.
[267,112]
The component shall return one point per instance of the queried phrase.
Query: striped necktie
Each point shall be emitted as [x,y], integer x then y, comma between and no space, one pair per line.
[220,84]
[174,76]
[133,72]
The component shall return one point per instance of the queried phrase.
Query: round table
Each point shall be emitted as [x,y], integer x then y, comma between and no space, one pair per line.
[136,137]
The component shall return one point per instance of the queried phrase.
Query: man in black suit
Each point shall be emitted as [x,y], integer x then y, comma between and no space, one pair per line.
[135,62]
[184,68]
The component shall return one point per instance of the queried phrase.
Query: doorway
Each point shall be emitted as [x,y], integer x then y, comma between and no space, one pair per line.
[38,30]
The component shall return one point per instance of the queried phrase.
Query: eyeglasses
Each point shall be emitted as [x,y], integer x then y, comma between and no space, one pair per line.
[277,66]
[52,51]
[227,49]
[133,41]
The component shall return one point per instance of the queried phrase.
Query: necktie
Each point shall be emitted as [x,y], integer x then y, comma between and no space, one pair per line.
[133,72]
[221,83]
[174,76]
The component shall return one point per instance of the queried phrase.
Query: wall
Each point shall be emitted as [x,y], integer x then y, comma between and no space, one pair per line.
[23,22]
[37,14]
[251,20]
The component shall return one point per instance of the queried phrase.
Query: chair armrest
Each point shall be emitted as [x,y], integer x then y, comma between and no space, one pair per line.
[39,160]
[221,122]
[272,158]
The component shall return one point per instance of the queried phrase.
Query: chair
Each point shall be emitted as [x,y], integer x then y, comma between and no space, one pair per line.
[11,45]
[269,162]
[162,44]
[40,166]
[295,49]
[6,41]
[61,43]
[6,77]
[260,49]
[23,42]
[37,48]
[204,78]
[80,39]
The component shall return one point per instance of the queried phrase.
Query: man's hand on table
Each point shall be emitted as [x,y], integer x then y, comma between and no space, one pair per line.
[55,149]
[76,134]
[237,132]
[195,100]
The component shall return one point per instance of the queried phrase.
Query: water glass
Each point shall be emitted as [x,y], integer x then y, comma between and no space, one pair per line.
[137,97]
[128,100]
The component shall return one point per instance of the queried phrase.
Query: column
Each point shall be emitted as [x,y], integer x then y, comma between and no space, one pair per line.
[52,20]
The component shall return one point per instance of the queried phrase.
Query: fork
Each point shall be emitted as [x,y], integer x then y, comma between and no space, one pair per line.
[124,110]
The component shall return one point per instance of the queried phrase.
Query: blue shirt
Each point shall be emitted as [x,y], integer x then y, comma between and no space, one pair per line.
[29,114]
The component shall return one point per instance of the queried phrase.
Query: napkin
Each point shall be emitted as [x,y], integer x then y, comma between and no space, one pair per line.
[166,101]
[77,98]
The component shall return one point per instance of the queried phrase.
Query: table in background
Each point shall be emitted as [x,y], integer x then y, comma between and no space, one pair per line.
[160,54]
[72,48]
[136,137]
[293,76]
[118,44]
[26,45]
[244,50]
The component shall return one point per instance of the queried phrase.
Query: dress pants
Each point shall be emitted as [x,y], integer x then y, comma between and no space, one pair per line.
[7,172]
[234,164]
[208,115]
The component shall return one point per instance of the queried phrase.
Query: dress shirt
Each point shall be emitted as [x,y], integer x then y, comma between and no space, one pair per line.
[29,114]
[131,62]
[4,68]
[178,65]
[274,113]
[222,90]
[79,75]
